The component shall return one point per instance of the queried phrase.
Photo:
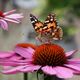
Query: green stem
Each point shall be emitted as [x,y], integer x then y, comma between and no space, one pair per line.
[25,76]
[47,77]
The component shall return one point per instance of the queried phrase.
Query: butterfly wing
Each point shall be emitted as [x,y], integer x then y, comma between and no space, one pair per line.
[57,34]
[38,25]
[50,23]
[51,27]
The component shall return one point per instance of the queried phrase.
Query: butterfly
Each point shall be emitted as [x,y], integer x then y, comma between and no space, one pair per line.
[48,29]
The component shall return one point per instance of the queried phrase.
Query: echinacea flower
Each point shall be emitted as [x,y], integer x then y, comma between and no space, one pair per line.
[50,59]
[9,16]
[8,58]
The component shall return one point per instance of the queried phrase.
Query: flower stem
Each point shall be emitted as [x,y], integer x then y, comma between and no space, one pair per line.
[47,77]
[25,76]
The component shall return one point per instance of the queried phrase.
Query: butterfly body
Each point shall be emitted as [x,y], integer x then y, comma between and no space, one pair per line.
[49,29]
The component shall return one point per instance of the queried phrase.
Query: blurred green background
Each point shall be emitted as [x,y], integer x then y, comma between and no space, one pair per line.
[66,12]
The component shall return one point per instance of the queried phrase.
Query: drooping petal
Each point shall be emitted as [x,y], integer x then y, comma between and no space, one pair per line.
[6,54]
[24,52]
[63,72]
[9,12]
[30,50]
[70,53]
[48,70]
[77,72]
[12,20]
[11,63]
[13,70]
[15,57]
[30,68]
[74,67]
[6,67]
[74,61]
[15,16]
[3,24]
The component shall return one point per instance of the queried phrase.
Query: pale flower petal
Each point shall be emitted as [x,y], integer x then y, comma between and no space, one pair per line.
[6,67]
[70,53]
[23,60]
[24,52]
[77,72]
[10,16]
[12,20]
[74,61]
[74,67]
[30,50]
[63,72]
[15,57]
[13,70]
[30,68]
[48,70]
[6,54]
[11,63]
[9,12]
[15,16]
[4,24]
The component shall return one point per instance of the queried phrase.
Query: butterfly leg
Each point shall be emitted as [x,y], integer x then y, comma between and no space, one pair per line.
[39,38]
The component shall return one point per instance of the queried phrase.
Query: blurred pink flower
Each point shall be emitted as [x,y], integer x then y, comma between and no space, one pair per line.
[9,16]
[47,58]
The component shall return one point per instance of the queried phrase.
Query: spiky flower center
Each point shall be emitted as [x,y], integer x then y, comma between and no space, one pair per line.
[49,54]
[1,14]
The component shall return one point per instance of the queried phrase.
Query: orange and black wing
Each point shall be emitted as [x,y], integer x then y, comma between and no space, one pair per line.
[38,25]
[57,34]
[51,27]
[50,23]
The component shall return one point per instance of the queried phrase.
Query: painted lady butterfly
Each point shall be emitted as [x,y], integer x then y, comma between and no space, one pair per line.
[49,28]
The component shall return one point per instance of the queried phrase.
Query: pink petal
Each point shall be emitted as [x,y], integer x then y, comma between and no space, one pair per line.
[5,63]
[30,50]
[63,72]
[24,52]
[11,63]
[4,24]
[15,57]
[9,12]
[76,60]
[30,68]
[15,16]
[23,60]
[12,20]
[74,67]
[48,70]
[70,53]
[6,54]
[6,67]
[13,71]
[77,72]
